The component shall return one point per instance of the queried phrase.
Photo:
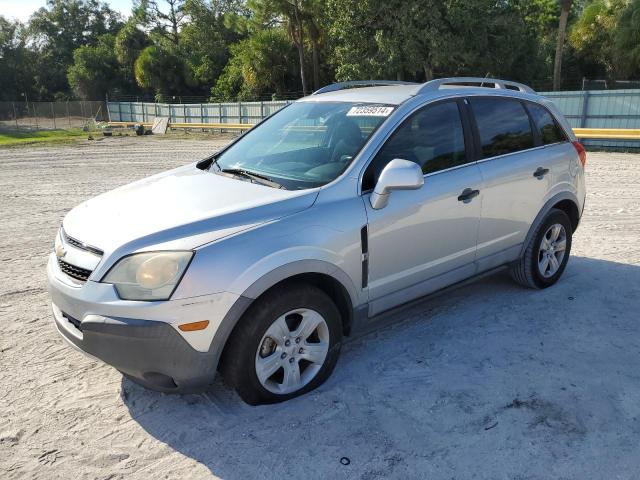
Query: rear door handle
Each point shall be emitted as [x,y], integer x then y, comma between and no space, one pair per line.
[540,172]
[467,195]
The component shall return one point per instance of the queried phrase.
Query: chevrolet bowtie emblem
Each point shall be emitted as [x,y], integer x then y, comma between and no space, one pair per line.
[60,251]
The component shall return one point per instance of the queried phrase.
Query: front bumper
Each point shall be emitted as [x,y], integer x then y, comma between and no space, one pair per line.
[151,353]
[141,339]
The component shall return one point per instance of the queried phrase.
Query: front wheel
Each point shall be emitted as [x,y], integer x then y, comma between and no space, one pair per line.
[547,253]
[285,345]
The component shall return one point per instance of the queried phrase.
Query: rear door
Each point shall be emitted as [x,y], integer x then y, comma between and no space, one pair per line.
[424,239]
[558,150]
[515,173]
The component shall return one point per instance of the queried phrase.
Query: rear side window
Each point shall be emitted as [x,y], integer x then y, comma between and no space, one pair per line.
[547,126]
[432,137]
[503,125]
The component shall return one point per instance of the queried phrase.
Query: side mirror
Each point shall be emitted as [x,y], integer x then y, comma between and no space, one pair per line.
[397,175]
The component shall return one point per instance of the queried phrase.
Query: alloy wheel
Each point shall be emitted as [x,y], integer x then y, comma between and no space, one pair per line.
[292,351]
[552,250]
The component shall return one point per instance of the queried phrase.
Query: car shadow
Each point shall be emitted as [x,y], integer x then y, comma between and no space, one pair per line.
[486,371]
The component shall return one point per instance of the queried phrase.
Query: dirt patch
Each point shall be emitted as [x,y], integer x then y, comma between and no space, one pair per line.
[548,415]
[489,381]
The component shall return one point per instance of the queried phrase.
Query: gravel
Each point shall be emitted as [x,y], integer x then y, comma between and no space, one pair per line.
[487,381]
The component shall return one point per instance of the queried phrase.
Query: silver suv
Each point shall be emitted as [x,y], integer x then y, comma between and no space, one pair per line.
[258,260]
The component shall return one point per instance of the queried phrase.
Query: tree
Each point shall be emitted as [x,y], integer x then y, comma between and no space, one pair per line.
[205,39]
[395,39]
[16,61]
[314,20]
[162,70]
[164,19]
[261,63]
[593,35]
[354,52]
[57,30]
[292,11]
[627,41]
[248,48]
[95,70]
[540,20]
[287,14]
[565,8]
[129,42]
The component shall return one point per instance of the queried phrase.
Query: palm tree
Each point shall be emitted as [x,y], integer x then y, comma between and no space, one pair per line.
[565,8]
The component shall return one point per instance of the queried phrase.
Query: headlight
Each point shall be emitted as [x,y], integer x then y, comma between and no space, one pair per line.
[149,275]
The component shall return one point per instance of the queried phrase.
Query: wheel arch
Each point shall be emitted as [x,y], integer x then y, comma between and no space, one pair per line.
[571,209]
[328,278]
[329,285]
[565,201]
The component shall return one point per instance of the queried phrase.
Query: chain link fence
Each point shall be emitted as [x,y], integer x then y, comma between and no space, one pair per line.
[29,116]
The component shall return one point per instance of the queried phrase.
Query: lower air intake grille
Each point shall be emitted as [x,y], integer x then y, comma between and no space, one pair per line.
[74,272]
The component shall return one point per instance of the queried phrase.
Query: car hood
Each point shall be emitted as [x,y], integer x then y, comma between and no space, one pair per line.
[182,209]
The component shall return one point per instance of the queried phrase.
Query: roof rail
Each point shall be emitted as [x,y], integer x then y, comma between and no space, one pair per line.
[503,84]
[334,87]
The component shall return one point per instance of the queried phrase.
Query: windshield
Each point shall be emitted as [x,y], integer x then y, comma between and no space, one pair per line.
[306,144]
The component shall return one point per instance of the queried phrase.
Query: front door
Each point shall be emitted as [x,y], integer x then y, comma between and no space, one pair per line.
[425,239]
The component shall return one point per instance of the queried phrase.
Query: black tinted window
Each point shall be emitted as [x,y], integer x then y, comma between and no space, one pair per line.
[503,125]
[432,137]
[547,126]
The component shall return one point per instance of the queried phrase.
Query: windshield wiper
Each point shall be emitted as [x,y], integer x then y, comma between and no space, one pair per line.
[256,177]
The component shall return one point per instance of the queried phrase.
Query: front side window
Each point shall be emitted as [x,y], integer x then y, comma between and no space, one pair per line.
[503,125]
[305,145]
[432,137]
[547,126]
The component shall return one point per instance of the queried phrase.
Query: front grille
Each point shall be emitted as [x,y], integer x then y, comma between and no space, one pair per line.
[74,272]
[81,245]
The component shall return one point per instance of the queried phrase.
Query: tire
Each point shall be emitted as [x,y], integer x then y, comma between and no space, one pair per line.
[275,335]
[528,270]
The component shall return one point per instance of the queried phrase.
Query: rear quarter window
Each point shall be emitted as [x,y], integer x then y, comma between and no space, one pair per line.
[503,125]
[549,129]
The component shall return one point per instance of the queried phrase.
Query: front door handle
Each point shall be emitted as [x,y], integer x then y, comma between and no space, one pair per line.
[540,172]
[467,195]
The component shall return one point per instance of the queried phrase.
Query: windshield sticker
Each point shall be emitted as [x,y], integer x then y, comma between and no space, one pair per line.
[370,111]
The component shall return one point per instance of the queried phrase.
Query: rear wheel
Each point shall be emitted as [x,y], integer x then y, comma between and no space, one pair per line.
[285,345]
[547,253]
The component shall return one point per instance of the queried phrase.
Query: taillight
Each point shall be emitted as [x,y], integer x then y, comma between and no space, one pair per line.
[582,153]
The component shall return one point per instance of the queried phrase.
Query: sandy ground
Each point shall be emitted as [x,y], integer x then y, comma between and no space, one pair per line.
[488,381]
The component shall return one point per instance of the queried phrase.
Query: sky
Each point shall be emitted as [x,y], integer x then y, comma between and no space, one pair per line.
[22,9]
